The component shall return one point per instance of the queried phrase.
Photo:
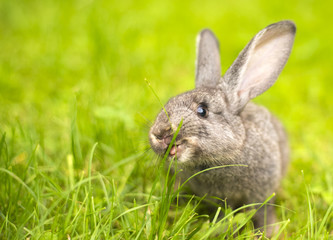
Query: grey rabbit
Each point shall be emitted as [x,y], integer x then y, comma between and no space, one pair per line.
[221,127]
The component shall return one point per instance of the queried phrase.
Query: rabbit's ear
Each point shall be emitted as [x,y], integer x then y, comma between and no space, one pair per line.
[259,64]
[208,66]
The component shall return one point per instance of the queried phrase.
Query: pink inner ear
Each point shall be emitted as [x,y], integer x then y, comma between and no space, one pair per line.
[265,62]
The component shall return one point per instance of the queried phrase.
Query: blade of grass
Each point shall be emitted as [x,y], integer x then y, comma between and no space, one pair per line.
[4,150]
[281,229]
[19,180]
[158,99]
[131,210]
[90,164]
[324,221]
[310,213]
[252,214]
[76,147]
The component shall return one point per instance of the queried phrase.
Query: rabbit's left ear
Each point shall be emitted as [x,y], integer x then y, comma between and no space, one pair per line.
[259,64]
[208,65]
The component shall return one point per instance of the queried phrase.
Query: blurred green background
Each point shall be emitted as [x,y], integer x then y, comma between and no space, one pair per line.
[73,73]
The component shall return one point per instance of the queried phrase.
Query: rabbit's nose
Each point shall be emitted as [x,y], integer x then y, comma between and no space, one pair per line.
[167,139]
[161,133]
[164,136]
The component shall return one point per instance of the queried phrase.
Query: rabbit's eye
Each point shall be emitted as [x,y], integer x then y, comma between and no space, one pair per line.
[202,110]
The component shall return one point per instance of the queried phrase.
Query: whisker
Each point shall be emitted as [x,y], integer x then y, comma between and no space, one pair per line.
[147,121]
[146,151]
[156,160]
[143,141]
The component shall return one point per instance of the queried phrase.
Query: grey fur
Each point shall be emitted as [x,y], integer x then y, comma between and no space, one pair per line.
[208,66]
[235,131]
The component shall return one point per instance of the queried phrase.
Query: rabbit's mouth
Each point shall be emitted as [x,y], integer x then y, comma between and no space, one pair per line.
[161,144]
[176,150]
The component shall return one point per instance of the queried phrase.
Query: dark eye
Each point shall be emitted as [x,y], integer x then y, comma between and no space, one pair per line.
[202,110]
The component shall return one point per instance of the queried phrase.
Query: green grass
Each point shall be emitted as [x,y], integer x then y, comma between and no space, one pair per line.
[75,111]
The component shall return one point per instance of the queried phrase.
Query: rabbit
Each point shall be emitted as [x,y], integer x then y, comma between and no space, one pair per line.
[222,127]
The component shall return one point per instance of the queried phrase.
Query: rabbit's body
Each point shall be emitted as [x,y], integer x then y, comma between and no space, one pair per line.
[221,127]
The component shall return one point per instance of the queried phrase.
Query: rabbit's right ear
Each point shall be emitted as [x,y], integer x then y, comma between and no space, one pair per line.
[259,64]
[208,65]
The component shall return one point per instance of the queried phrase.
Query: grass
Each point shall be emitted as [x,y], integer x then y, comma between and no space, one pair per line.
[75,112]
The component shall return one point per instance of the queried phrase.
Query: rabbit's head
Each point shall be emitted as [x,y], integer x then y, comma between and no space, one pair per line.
[212,130]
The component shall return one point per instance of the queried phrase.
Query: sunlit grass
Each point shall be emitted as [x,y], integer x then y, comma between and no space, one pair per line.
[75,111]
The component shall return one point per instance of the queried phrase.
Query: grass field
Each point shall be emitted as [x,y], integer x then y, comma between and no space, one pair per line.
[75,111]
